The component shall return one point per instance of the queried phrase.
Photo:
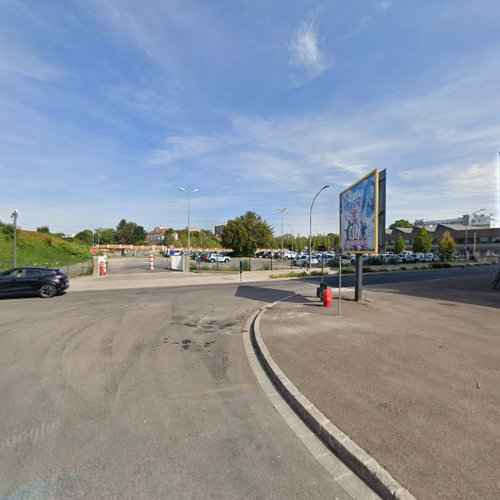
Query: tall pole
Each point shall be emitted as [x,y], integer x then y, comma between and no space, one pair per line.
[310,223]
[14,215]
[189,226]
[282,210]
[467,232]
[189,215]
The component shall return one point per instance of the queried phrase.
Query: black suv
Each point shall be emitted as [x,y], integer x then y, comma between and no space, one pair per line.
[43,281]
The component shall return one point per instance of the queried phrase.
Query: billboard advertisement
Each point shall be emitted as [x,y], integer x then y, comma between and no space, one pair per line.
[359,214]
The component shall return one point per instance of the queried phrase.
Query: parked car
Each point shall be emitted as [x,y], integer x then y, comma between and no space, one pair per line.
[286,254]
[217,257]
[353,258]
[407,256]
[43,281]
[304,261]
[391,258]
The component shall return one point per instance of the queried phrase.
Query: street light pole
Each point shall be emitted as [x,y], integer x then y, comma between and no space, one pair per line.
[467,233]
[189,223]
[282,210]
[14,215]
[310,223]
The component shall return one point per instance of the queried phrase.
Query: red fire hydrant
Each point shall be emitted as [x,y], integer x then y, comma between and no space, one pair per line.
[102,268]
[327,297]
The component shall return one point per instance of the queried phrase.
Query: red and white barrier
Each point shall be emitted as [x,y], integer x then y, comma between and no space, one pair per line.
[151,262]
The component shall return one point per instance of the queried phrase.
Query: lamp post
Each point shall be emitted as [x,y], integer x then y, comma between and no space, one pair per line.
[14,215]
[467,232]
[189,193]
[282,210]
[310,223]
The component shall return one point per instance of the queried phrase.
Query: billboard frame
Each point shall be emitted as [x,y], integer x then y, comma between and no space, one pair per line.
[376,214]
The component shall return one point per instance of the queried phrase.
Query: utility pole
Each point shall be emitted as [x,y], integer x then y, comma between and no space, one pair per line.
[310,223]
[14,215]
[282,210]
[189,222]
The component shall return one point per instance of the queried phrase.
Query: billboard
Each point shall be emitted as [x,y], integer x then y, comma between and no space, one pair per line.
[359,214]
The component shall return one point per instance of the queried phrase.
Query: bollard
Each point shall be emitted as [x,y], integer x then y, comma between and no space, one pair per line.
[102,268]
[151,262]
[327,298]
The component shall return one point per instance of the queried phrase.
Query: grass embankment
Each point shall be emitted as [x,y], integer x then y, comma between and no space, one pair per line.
[40,249]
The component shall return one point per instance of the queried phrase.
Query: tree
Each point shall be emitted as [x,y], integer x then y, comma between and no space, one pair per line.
[422,242]
[87,236]
[169,237]
[399,246]
[43,229]
[447,246]
[401,223]
[107,235]
[247,233]
[129,233]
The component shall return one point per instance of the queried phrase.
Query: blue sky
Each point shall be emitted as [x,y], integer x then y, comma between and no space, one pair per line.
[108,106]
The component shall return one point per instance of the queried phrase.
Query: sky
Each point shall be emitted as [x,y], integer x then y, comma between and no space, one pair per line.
[107,107]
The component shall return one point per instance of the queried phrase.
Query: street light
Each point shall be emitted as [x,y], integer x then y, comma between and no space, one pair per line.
[282,210]
[467,232]
[189,193]
[14,215]
[310,223]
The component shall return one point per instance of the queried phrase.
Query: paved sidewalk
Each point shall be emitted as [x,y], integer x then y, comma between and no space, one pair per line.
[412,375]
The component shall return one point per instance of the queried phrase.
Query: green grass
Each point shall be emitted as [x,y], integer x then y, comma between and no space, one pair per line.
[39,249]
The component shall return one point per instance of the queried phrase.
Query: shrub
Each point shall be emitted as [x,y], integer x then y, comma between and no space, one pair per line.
[440,265]
[347,270]
[374,261]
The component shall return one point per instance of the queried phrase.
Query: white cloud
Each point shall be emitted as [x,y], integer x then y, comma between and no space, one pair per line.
[21,61]
[305,52]
[385,5]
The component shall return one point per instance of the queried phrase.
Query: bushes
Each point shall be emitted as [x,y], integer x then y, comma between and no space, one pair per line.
[440,265]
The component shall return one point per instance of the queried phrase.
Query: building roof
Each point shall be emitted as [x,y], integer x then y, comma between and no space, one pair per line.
[458,227]
[157,230]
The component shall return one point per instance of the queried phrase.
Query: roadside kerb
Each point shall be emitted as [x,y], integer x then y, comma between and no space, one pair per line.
[345,448]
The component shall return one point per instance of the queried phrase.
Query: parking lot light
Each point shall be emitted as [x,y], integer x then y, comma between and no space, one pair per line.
[189,224]
[282,210]
[469,217]
[14,215]
[310,223]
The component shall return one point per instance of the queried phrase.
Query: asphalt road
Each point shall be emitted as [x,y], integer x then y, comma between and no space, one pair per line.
[146,394]
[143,394]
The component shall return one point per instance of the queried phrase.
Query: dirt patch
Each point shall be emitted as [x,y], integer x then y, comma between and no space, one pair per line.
[413,380]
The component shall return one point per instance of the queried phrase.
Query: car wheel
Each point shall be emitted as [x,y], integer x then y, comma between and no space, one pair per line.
[212,260]
[226,260]
[47,291]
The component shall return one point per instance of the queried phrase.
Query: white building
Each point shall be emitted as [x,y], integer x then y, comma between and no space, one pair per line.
[478,220]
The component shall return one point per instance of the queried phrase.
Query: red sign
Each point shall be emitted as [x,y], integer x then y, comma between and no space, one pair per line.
[93,250]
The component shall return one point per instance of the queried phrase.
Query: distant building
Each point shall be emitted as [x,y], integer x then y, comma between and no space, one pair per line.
[157,235]
[218,229]
[487,238]
[478,220]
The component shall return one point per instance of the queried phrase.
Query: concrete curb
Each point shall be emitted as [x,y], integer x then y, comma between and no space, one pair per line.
[345,448]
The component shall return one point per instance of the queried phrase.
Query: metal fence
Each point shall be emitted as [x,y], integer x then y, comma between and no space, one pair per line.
[71,269]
